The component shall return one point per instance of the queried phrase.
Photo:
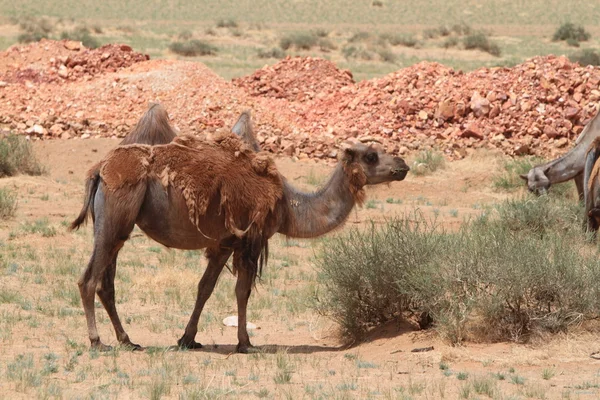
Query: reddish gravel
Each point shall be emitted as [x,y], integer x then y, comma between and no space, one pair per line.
[301,106]
[296,79]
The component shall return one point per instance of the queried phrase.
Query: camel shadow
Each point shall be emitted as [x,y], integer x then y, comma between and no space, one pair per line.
[227,349]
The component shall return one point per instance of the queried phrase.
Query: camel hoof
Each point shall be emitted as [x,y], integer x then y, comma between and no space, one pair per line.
[132,346]
[188,344]
[99,346]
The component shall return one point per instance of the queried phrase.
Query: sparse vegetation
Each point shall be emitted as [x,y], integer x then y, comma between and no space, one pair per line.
[300,41]
[427,162]
[571,31]
[81,34]
[274,52]
[480,41]
[227,23]
[8,203]
[16,156]
[193,48]
[34,29]
[509,178]
[534,283]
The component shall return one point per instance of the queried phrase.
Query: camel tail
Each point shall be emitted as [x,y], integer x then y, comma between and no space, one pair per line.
[153,128]
[91,186]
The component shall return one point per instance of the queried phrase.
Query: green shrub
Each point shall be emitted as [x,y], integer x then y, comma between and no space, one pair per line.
[586,57]
[377,3]
[83,35]
[402,40]
[321,32]
[185,34]
[193,48]
[430,33]
[491,280]
[275,52]
[427,162]
[8,203]
[16,156]
[302,41]
[569,30]
[481,42]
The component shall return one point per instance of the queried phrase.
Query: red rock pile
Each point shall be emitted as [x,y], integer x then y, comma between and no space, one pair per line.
[535,107]
[297,79]
[301,106]
[51,61]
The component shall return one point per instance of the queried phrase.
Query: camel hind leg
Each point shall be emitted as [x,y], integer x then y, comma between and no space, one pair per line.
[115,215]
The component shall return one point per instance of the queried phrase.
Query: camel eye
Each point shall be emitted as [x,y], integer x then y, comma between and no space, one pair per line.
[371,158]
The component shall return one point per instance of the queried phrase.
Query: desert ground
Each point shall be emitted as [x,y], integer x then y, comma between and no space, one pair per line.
[314,74]
[300,355]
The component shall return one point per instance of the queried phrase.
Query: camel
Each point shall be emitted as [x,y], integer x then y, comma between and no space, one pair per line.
[591,178]
[185,196]
[569,166]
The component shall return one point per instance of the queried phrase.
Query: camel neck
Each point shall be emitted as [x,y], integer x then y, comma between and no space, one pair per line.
[314,214]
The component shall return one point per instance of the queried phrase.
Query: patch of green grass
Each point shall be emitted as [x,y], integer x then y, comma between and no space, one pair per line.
[17,156]
[462,376]
[39,226]
[508,179]
[227,23]
[8,203]
[517,380]
[548,373]
[484,385]
[427,162]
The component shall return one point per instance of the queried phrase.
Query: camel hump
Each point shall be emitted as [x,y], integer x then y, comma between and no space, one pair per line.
[153,128]
[125,166]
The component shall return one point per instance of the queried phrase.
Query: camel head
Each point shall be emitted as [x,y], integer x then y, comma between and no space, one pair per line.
[378,166]
[537,181]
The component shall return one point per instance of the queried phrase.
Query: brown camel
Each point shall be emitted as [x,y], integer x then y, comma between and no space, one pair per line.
[185,195]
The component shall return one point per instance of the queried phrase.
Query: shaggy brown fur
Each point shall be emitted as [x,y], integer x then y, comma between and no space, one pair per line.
[591,175]
[200,170]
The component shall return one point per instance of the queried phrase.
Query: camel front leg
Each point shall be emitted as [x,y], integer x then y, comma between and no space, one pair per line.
[216,261]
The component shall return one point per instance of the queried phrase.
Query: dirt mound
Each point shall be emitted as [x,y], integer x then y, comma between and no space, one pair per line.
[302,106]
[297,79]
[51,61]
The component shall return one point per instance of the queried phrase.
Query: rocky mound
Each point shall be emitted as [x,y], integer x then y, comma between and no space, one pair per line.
[53,61]
[296,79]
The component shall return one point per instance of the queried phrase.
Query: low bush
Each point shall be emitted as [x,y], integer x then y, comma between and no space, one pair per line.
[83,35]
[571,31]
[502,276]
[193,48]
[302,41]
[508,178]
[227,23]
[479,41]
[17,156]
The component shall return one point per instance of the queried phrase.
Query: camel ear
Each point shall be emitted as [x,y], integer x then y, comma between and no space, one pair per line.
[523,176]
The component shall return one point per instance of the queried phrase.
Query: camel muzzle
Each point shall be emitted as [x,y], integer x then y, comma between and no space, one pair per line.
[399,173]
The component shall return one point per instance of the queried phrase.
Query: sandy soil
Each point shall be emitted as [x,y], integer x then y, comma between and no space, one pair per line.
[291,335]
